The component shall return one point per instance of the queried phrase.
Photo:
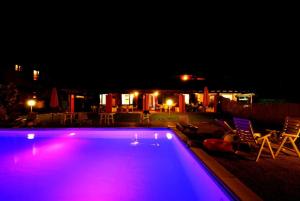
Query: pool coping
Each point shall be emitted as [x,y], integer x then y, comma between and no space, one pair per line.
[239,189]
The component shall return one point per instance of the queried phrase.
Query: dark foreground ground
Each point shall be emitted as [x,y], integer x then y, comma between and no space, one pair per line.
[270,179]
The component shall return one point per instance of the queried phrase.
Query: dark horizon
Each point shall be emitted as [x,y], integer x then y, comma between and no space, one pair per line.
[241,53]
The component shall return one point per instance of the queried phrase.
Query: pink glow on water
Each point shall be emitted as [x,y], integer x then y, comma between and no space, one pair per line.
[38,155]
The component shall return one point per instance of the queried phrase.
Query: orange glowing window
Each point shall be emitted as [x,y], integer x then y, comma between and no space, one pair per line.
[18,67]
[36,74]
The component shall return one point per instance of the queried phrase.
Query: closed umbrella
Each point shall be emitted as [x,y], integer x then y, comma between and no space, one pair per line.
[108,107]
[54,104]
[205,97]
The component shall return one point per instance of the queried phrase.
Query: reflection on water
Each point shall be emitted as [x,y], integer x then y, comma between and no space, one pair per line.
[135,141]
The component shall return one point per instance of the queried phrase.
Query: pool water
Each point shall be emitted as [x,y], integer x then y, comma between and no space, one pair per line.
[102,164]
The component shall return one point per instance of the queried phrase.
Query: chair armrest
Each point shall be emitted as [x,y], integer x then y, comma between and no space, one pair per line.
[265,136]
[270,131]
[289,135]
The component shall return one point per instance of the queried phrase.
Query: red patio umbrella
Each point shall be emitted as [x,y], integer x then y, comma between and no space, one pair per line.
[205,97]
[53,101]
[54,104]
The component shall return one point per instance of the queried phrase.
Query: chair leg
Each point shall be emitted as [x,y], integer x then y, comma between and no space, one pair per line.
[271,150]
[295,147]
[261,147]
[281,146]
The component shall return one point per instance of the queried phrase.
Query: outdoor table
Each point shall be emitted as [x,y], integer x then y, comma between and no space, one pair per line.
[107,118]
[68,116]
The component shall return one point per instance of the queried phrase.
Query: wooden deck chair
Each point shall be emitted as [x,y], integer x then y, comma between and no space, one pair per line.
[290,132]
[244,131]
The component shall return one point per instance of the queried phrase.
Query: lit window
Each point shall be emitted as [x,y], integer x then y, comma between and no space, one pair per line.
[18,67]
[127,99]
[186,98]
[102,99]
[36,74]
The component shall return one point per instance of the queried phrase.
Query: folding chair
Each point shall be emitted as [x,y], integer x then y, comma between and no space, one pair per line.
[245,133]
[290,132]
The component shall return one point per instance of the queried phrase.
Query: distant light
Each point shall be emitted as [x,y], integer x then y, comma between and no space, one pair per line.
[155,136]
[169,136]
[18,67]
[155,93]
[185,77]
[78,96]
[30,136]
[136,93]
[72,134]
[33,96]
[36,74]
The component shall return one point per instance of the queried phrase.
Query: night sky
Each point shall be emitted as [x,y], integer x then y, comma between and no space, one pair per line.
[231,50]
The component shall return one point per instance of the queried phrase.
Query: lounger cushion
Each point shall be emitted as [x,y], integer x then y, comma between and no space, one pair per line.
[217,145]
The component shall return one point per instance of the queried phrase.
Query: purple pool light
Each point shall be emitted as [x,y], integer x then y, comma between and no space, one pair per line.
[102,164]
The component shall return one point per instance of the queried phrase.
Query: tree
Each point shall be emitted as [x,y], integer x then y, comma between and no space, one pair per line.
[8,99]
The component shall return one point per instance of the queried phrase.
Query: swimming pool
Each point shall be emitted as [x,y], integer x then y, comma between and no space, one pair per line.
[102,164]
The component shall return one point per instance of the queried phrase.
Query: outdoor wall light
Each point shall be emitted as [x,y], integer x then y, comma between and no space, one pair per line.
[169,103]
[31,103]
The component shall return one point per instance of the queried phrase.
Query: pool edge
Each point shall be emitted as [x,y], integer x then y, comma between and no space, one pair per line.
[232,183]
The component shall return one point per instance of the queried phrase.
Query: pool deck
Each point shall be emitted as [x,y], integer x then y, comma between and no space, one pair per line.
[230,181]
